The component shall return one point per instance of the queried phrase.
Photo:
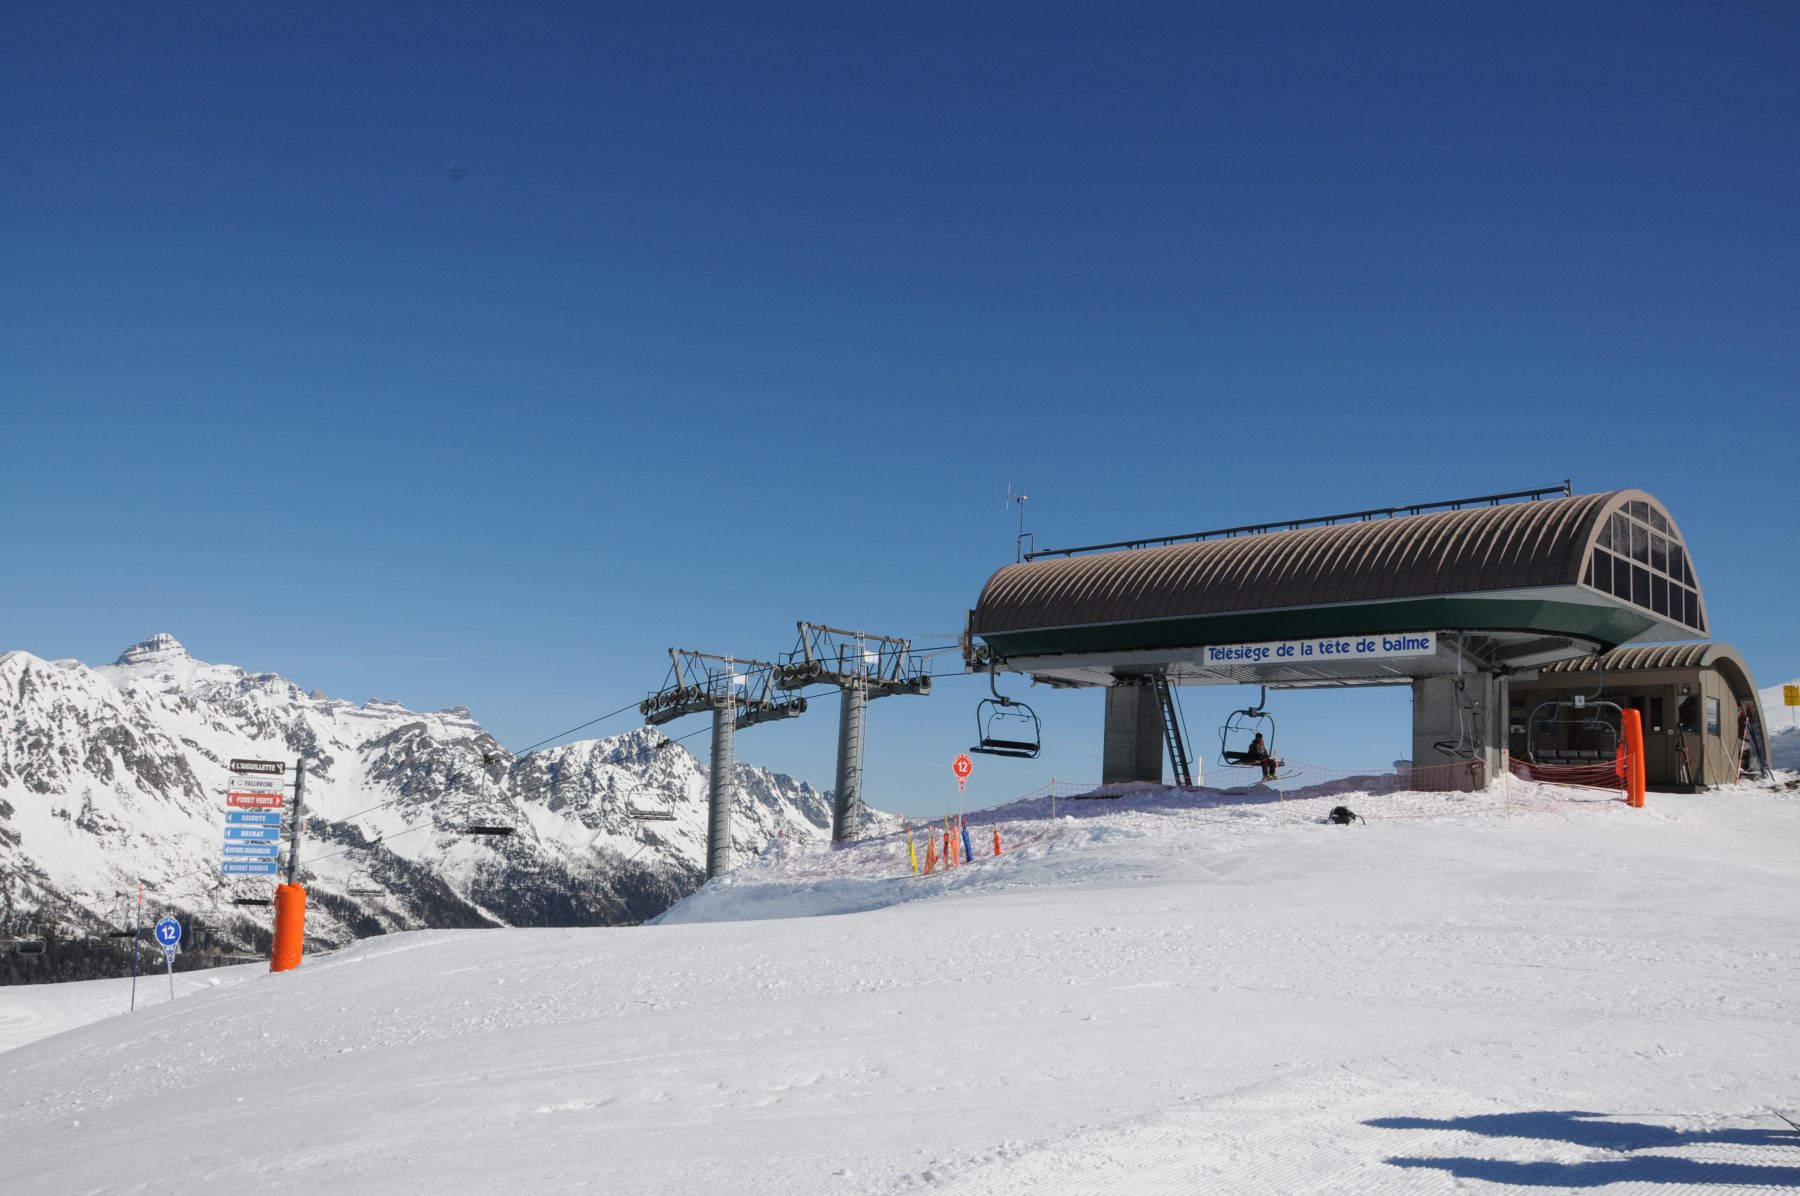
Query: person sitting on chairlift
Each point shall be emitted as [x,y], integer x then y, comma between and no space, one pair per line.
[1258,753]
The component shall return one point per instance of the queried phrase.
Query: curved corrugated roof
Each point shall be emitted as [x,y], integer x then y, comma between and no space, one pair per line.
[1724,658]
[1480,549]
[1637,659]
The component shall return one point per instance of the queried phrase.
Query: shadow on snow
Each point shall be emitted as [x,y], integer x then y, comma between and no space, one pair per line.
[1592,1131]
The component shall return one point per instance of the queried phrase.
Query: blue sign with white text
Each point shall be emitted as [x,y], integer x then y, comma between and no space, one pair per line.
[237,867]
[252,832]
[243,849]
[252,818]
[168,931]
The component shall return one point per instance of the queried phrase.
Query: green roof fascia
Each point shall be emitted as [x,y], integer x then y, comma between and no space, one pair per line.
[1608,626]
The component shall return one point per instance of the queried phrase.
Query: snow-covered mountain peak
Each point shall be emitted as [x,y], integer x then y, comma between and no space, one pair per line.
[119,774]
[160,649]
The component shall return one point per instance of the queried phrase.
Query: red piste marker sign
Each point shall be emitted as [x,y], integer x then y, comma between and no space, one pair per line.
[962,766]
[256,801]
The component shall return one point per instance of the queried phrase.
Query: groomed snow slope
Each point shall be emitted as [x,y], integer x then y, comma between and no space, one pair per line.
[1502,992]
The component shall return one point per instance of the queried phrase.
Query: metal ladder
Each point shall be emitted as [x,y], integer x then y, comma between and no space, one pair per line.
[1178,756]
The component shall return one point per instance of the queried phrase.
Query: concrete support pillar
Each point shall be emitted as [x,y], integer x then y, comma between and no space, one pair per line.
[1473,717]
[845,815]
[1133,747]
[718,826]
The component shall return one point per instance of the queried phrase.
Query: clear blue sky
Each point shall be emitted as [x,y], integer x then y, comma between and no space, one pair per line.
[477,353]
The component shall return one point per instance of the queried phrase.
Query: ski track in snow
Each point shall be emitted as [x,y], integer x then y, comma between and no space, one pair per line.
[1520,990]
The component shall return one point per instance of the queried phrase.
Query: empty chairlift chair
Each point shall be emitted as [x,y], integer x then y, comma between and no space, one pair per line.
[649,806]
[1006,726]
[488,817]
[1562,732]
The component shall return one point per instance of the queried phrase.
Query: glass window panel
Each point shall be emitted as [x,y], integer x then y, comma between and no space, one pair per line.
[1622,578]
[1639,509]
[1640,586]
[1620,531]
[1687,573]
[1659,553]
[1605,540]
[1712,716]
[1690,714]
[1600,571]
[1690,612]
[1677,560]
[1659,594]
[1657,522]
[1640,544]
[1655,715]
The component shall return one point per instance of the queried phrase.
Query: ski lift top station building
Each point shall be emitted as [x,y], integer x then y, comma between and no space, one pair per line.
[1483,606]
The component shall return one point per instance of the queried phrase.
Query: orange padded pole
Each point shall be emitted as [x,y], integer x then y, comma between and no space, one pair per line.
[996,840]
[290,927]
[1634,747]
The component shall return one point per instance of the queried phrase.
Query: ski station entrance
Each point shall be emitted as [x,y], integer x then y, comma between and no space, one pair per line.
[1457,600]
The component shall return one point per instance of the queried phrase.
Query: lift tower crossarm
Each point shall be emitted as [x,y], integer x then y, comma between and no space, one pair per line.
[737,693]
[703,681]
[862,666]
[883,664]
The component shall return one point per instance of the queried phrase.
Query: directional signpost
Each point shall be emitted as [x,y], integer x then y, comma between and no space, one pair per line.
[168,933]
[255,799]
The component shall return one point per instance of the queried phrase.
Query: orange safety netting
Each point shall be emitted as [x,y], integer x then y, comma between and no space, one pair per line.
[1316,780]
[1586,776]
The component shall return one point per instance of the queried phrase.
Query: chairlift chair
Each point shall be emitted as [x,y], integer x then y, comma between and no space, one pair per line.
[1006,726]
[1549,730]
[32,942]
[664,812]
[489,818]
[362,884]
[1241,729]
[256,897]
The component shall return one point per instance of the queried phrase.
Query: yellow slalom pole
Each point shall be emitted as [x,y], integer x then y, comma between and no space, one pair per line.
[912,853]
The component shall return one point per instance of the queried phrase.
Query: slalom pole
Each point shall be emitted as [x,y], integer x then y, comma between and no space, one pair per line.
[912,853]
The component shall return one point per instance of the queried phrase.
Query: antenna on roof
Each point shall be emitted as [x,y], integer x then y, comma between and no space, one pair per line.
[1021,498]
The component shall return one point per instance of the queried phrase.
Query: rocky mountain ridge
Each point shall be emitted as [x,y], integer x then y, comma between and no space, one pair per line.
[118,773]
